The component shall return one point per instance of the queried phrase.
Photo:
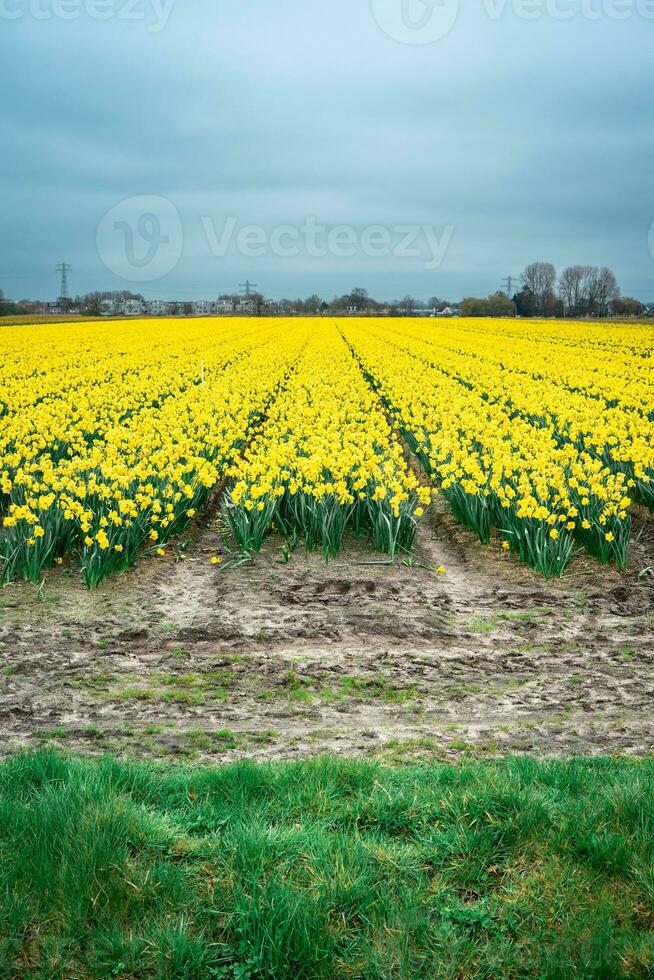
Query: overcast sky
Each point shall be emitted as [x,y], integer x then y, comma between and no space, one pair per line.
[452,145]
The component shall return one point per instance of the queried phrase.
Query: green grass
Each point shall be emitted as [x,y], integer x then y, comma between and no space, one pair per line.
[328,868]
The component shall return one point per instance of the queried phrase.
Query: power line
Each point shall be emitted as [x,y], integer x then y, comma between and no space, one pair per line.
[507,283]
[64,268]
[247,287]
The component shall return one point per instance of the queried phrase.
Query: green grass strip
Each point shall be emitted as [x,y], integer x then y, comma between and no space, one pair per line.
[327,868]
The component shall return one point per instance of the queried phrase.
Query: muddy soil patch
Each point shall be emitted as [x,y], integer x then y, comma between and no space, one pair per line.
[185,659]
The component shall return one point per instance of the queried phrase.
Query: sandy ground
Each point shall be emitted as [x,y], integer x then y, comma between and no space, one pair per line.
[181,659]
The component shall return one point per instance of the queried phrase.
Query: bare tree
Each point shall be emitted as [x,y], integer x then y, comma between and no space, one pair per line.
[589,289]
[606,290]
[540,278]
[407,305]
[571,288]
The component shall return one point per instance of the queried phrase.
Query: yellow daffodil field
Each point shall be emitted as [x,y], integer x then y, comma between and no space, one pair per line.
[115,435]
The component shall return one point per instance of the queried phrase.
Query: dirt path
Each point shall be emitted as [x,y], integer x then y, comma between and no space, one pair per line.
[279,660]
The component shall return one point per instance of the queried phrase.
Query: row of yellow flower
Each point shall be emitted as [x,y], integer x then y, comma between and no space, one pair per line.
[599,399]
[115,434]
[496,465]
[326,461]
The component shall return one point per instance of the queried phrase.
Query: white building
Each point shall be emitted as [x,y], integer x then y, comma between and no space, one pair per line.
[203,307]
[132,307]
[157,307]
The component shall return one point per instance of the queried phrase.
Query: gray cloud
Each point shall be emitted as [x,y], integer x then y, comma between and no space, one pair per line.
[532,139]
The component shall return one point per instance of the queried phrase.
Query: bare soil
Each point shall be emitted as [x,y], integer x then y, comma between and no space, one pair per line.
[183,659]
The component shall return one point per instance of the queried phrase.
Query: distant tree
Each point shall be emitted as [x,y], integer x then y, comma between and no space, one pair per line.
[258,303]
[497,304]
[340,303]
[474,306]
[571,288]
[359,299]
[540,279]
[91,304]
[590,289]
[587,290]
[606,290]
[627,306]
[407,305]
[312,304]
[8,308]
[525,303]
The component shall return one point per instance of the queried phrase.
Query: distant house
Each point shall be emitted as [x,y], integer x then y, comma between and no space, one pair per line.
[157,307]
[224,306]
[132,307]
[203,307]
[447,311]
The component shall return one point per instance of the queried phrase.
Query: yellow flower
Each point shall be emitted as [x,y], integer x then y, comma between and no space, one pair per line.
[506,545]
[441,570]
[161,552]
[102,540]
[303,415]
[216,560]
